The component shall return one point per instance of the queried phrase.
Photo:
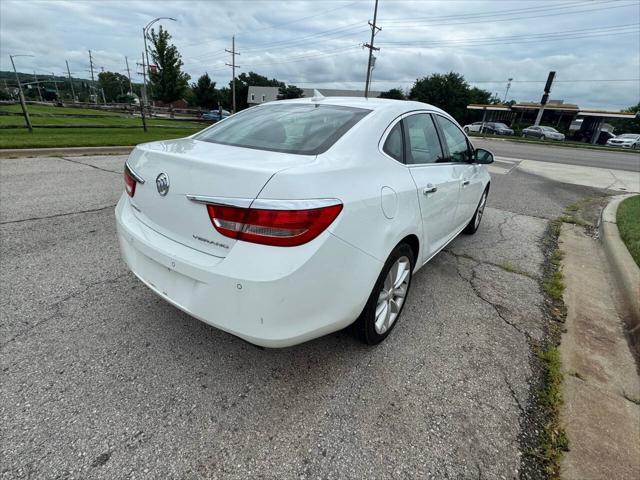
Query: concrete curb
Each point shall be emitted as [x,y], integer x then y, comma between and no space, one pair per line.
[70,151]
[623,267]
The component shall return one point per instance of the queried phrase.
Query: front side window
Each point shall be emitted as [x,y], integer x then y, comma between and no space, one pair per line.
[394,144]
[304,129]
[456,141]
[421,137]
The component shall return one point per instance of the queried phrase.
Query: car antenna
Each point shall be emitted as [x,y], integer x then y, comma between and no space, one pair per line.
[317,96]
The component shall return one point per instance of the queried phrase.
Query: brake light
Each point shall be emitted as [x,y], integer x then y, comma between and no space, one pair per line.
[129,182]
[281,228]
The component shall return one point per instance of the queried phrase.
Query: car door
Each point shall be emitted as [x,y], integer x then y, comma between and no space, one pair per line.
[437,180]
[460,155]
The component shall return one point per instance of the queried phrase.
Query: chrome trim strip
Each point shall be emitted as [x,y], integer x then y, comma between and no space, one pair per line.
[225,201]
[136,176]
[266,203]
[306,204]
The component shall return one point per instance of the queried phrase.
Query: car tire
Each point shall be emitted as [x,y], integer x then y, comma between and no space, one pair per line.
[474,223]
[388,297]
[466,130]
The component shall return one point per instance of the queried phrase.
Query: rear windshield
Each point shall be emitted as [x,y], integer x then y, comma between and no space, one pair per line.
[305,129]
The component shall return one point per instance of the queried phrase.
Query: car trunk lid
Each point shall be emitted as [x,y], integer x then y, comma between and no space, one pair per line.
[200,169]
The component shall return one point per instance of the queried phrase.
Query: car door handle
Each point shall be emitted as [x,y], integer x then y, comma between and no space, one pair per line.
[430,188]
[465,183]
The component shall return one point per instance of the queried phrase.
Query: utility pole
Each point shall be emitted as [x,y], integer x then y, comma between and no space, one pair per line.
[129,75]
[53,77]
[545,97]
[93,81]
[144,76]
[73,93]
[23,104]
[371,48]
[35,77]
[233,71]
[507,91]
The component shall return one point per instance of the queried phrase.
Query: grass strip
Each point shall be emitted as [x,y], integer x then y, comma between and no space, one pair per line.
[628,220]
[87,137]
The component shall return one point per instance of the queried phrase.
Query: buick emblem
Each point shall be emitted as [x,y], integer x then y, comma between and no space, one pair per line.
[162,184]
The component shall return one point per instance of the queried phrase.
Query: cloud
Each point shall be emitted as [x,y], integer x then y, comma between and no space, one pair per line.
[319,42]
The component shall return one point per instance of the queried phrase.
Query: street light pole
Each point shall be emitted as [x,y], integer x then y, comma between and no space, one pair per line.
[23,104]
[145,29]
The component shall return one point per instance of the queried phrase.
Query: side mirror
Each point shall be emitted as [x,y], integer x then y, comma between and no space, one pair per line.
[483,156]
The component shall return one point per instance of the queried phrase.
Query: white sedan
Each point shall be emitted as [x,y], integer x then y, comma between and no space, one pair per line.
[294,219]
[626,140]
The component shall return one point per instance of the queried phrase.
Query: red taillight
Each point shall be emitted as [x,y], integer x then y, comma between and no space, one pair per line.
[129,183]
[281,228]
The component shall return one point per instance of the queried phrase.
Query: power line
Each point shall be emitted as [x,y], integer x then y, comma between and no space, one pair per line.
[515,37]
[499,42]
[608,7]
[496,13]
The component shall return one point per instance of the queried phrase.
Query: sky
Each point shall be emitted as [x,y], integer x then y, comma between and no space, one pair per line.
[594,46]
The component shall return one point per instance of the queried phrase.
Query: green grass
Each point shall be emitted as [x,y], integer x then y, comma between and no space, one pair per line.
[550,397]
[87,137]
[6,120]
[46,109]
[553,283]
[628,220]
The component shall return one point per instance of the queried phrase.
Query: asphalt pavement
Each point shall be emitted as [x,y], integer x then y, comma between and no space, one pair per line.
[103,379]
[614,160]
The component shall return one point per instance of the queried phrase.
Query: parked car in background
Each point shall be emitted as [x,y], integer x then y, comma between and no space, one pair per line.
[543,133]
[626,140]
[585,136]
[297,218]
[497,128]
[473,127]
[215,115]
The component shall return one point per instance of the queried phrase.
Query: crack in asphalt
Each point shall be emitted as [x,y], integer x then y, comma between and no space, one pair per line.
[513,394]
[496,308]
[57,305]
[497,265]
[89,165]
[79,212]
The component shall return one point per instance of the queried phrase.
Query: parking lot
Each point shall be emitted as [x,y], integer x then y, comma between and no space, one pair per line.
[102,379]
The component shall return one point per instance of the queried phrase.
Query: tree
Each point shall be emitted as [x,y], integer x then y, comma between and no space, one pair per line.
[167,81]
[289,91]
[251,79]
[449,92]
[114,84]
[204,92]
[624,125]
[394,93]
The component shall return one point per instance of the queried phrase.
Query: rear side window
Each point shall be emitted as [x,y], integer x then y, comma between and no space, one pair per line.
[456,141]
[305,129]
[394,146]
[423,144]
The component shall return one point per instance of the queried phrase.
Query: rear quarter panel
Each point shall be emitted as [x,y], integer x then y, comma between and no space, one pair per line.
[355,172]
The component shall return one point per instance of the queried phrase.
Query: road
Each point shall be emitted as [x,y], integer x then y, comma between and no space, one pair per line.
[628,161]
[102,379]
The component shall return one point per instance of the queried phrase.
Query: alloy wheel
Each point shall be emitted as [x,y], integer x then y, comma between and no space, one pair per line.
[480,211]
[392,295]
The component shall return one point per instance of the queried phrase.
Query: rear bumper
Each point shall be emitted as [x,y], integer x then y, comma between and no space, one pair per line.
[269,296]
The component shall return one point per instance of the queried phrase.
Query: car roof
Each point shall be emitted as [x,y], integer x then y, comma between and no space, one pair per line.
[368,103]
